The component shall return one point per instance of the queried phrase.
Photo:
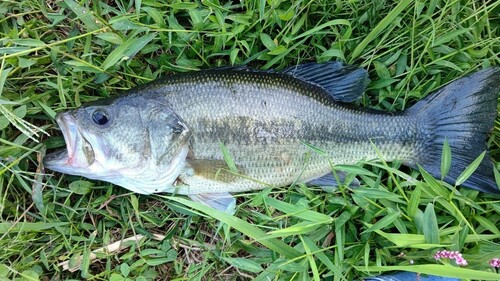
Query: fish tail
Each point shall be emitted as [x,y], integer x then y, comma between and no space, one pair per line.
[463,113]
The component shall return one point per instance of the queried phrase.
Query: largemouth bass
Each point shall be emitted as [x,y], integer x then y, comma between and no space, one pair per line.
[213,132]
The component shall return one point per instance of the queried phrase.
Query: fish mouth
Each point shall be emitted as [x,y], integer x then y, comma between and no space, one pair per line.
[78,153]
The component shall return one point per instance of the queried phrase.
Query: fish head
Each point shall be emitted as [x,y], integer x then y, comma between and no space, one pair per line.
[136,142]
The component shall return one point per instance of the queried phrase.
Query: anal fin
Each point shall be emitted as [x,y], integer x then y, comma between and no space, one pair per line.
[223,201]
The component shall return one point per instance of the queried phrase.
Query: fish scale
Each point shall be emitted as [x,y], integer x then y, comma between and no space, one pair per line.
[292,114]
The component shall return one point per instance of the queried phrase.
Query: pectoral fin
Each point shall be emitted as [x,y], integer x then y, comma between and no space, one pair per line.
[329,182]
[216,170]
[224,202]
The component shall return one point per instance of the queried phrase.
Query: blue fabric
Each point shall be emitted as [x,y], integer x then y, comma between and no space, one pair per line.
[408,276]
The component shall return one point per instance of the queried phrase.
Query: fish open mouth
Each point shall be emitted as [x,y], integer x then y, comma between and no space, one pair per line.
[78,152]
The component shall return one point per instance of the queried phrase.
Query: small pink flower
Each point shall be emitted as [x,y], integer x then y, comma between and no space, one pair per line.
[495,262]
[451,255]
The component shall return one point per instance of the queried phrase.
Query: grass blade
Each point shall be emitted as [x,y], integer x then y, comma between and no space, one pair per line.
[381,26]
[470,169]
[243,226]
[127,50]
[438,270]
[431,230]
[445,159]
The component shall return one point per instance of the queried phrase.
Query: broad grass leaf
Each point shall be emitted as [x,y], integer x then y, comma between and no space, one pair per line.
[431,230]
[82,66]
[448,64]
[381,70]
[25,63]
[4,270]
[414,201]
[380,27]
[125,269]
[83,14]
[184,5]
[110,37]
[157,261]
[447,37]
[29,42]
[335,270]
[393,58]
[436,269]
[242,226]
[81,187]
[378,194]
[245,264]
[432,183]
[28,226]
[43,259]
[298,211]
[470,169]
[127,50]
[332,53]
[286,16]
[13,50]
[228,158]
[310,258]
[278,50]
[445,159]
[298,24]
[3,77]
[267,41]
[233,55]
[497,177]
[29,275]
[342,219]
[354,170]
[296,229]
[116,277]
[138,6]
[382,83]
[402,240]
[318,28]
[384,222]
[488,224]
[156,15]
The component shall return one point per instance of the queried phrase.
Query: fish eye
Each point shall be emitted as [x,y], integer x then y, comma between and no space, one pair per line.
[100,117]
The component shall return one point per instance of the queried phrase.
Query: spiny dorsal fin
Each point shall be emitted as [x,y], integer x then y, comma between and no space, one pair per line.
[345,83]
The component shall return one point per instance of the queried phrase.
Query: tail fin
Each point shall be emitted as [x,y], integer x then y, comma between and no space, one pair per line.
[463,112]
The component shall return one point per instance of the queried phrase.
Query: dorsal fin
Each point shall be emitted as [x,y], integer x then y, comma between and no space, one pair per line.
[345,83]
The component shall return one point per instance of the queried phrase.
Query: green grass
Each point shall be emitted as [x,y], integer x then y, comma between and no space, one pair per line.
[57,55]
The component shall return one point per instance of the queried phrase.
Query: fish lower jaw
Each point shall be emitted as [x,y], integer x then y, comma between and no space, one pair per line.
[152,178]
[145,182]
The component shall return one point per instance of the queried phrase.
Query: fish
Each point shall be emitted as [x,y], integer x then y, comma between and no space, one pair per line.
[210,133]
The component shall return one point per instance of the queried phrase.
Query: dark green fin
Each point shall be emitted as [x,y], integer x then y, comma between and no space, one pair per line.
[345,83]
[329,182]
[223,201]
[463,112]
